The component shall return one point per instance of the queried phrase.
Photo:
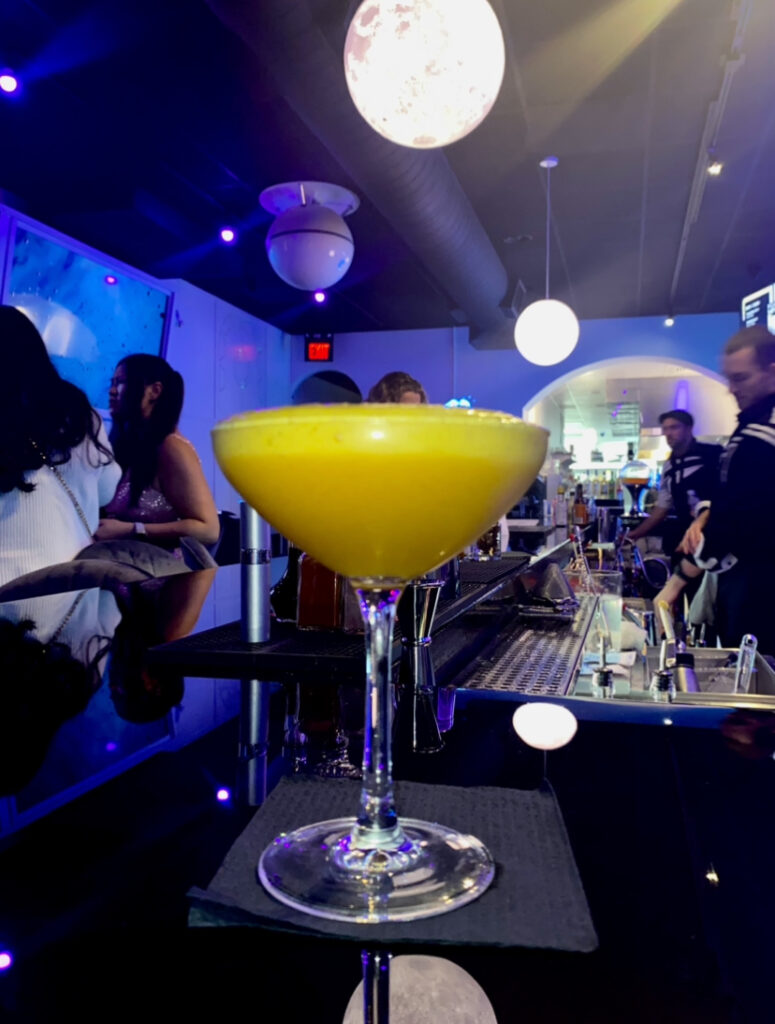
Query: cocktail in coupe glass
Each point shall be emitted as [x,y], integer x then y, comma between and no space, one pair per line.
[381,494]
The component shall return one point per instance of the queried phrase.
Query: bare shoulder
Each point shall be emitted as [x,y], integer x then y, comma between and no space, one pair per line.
[176,449]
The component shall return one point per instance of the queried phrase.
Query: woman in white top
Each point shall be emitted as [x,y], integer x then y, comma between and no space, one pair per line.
[56,465]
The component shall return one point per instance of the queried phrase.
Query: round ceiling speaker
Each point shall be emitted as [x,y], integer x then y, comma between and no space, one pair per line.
[310,247]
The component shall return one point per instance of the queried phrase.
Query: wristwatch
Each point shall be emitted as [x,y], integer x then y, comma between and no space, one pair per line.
[138,529]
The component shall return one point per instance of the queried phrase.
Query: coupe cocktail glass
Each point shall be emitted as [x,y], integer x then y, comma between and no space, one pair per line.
[381,494]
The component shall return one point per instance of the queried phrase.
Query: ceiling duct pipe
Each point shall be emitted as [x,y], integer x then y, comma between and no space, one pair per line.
[415,190]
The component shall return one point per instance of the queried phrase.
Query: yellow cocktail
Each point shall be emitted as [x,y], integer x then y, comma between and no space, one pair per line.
[381,494]
[380,491]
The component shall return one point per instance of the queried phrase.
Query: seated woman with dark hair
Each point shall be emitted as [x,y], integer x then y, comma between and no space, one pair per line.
[154,613]
[56,465]
[163,496]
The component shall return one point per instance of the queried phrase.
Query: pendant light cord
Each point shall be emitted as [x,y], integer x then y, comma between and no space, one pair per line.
[548,223]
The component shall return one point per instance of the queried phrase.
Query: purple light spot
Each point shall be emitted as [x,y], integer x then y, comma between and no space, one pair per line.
[8,82]
[110,746]
[111,279]
[624,392]
[228,235]
[319,297]
[223,795]
[6,960]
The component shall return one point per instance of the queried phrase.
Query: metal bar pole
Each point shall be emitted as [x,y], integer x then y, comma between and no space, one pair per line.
[255,582]
[253,742]
[376,986]
[255,578]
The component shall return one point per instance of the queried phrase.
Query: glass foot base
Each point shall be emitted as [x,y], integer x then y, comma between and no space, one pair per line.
[316,870]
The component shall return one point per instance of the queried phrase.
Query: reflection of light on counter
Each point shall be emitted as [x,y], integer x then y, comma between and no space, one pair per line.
[712,876]
[667,721]
[427,989]
[544,726]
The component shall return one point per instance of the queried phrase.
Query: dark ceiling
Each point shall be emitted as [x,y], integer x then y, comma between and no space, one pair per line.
[143,127]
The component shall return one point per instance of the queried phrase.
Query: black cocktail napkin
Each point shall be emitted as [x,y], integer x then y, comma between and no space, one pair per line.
[536,898]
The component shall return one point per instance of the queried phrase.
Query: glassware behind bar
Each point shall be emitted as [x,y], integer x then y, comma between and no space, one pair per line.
[366,490]
[489,544]
[635,476]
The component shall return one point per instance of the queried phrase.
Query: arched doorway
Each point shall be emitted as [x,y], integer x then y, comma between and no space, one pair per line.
[619,402]
[326,386]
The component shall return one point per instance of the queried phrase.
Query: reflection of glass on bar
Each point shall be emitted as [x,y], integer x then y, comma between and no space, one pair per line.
[608,587]
[488,546]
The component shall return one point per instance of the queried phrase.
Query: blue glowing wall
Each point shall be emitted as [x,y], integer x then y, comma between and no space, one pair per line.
[90,315]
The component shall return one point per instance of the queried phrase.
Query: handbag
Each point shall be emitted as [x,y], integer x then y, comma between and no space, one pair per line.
[66,487]
[149,559]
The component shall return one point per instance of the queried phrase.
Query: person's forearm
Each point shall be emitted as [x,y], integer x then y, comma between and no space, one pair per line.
[646,527]
[199,529]
[687,568]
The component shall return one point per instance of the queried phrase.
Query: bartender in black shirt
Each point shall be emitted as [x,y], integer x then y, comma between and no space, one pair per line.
[734,536]
[688,478]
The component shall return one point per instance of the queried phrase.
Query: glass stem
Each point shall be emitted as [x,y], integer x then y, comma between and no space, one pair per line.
[377,826]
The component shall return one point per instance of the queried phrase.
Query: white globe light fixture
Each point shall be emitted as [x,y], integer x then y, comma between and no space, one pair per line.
[546,331]
[424,73]
[309,245]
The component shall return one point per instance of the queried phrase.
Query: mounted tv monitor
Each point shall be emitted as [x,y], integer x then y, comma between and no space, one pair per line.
[90,310]
[759,308]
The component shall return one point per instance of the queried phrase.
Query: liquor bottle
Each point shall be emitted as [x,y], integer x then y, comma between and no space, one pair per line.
[284,594]
[561,507]
[580,510]
[320,596]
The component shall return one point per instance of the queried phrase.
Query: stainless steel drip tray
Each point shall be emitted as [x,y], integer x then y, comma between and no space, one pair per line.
[715,671]
[537,656]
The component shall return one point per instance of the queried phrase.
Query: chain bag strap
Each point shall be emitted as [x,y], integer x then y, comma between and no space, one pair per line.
[67,490]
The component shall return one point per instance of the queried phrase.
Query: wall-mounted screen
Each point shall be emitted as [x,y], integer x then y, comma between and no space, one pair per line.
[90,315]
[759,308]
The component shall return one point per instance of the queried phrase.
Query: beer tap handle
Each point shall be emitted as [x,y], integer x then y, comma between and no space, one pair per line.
[668,626]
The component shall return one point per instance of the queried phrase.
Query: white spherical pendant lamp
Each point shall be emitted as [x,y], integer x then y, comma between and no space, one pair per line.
[424,73]
[546,331]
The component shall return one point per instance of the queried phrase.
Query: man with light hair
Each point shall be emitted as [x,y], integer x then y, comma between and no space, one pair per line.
[734,537]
